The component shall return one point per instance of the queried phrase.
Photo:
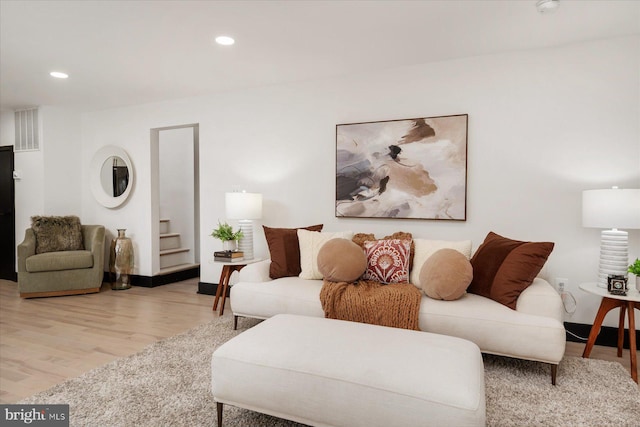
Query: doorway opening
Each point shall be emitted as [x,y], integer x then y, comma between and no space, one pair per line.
[175,189]
[7,215]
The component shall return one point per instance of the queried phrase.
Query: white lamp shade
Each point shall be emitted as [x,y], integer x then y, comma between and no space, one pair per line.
[243,205]
[611,208]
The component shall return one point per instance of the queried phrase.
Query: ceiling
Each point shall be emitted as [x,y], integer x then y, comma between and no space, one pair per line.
[121,53]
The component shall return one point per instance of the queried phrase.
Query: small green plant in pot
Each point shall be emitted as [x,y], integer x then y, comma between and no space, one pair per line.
[225,233]
[635,269]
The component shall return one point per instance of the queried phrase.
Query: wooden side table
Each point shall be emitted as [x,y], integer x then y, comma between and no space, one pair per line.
[222,289]
[609,301]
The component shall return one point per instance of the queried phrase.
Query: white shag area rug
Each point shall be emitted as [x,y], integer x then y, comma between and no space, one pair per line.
[168,384]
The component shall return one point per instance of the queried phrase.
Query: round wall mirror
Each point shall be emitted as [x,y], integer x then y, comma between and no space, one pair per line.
[111,176]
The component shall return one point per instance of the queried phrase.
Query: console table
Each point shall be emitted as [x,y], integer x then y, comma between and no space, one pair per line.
[626,304]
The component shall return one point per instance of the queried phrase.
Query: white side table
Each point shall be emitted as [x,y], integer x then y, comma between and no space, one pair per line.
[609,301]
[222,290]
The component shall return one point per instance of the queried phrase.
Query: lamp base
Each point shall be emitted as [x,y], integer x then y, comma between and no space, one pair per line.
[246,243]
[614,255]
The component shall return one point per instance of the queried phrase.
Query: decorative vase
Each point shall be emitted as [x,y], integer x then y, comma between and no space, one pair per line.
[229,245]
[121,261]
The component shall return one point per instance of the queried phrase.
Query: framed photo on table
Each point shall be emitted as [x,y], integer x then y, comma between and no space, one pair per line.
[412,168]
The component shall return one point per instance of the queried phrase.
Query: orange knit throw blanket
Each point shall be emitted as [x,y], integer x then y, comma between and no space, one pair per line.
[396,305]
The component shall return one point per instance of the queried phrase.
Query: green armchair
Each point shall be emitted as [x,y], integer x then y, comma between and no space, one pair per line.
[64,272]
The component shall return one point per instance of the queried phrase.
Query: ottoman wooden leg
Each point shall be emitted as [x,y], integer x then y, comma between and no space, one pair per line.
[554,374]
[219,407]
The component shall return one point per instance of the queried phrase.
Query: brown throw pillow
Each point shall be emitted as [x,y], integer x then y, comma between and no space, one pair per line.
[341,260]
[57,233]
[284,250]
[503,268]
[445,275]
[360,238]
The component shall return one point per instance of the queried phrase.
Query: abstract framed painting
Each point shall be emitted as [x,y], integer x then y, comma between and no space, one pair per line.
[409,169]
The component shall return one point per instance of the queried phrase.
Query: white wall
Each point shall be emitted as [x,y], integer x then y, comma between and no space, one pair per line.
[543,126]
[61,142]
[7,128]
[29,192]
[58,160]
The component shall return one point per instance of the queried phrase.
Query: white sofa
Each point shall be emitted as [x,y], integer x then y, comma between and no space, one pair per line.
[534,331]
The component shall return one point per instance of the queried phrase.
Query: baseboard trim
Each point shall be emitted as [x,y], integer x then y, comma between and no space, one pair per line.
[608,336]
[207,288]
[12,276]
[164,279]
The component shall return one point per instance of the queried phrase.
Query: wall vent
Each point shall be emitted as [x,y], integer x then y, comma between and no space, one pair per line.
[27,130]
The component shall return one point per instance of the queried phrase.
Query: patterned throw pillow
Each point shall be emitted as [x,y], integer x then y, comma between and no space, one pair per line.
[387,260]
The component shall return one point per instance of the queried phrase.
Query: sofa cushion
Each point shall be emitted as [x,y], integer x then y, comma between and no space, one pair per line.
[310,244]
[446,275]
[503,268]
[61,260]
[495,328]
[284,250]
[537,334]
[291,295]
[341,260]
[387,260]
[57,233]
[424,248]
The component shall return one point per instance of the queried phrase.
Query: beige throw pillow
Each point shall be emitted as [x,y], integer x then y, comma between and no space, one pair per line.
[341,260]
[425,248]
[310,244]
[446,275]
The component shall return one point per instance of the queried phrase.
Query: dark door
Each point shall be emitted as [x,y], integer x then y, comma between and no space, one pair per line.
[7,215]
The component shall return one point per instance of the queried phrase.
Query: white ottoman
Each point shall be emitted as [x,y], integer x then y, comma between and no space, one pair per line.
[325,372]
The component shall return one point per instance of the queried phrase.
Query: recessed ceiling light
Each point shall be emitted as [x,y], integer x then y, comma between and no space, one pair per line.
[225,40]
[547,6]
[59,75]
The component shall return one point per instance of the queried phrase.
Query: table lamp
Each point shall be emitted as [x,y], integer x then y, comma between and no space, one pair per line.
[245,207]
[612,209]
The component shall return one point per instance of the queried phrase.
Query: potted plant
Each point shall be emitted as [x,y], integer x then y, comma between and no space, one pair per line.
[635,270]
[225,233]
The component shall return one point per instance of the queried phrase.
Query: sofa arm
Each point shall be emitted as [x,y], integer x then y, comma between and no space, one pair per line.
[26,249]
[541,299]
[93,236]
[255,272]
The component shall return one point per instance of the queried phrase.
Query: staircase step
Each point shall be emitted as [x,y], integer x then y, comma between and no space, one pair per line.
[173,251]
[164,226]
[169,241]
[173,257]
[176,268]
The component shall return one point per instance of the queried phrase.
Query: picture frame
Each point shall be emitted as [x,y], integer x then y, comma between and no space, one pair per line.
[403,169]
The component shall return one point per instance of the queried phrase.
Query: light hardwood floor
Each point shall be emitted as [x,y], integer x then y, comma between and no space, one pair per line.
[44,341]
